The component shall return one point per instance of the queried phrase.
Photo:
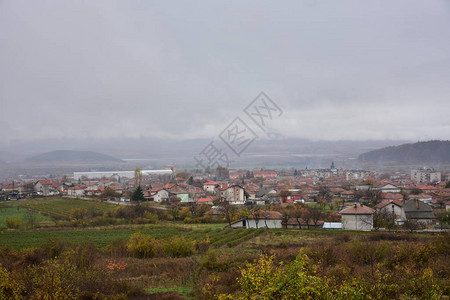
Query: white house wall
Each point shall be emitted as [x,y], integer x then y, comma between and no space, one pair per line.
[357,222]
[271,223]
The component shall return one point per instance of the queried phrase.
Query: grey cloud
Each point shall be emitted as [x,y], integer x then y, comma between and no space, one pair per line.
[107,69]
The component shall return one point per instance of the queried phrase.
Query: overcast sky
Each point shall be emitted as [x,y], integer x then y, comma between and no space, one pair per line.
[184,69]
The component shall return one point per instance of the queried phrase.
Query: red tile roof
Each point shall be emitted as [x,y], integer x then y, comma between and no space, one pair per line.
[357,209]
[45,182]
[204,200]
[387,202]
[210,183]
[392,196]
[263,214]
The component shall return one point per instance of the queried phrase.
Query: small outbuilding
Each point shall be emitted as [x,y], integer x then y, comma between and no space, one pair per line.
[260,219]
[332,225]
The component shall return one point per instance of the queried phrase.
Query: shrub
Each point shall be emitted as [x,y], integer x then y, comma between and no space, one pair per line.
[82,256]
[13,222]
[9,287]
[104,221]
[78,213]
[150,217]
[143,246]
[55,247]
[343,238]
[52,280]
[178,247]
[202,246]
[297,280]
[117,248]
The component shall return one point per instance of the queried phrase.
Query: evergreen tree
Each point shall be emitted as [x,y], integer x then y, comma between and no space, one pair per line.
[137,195]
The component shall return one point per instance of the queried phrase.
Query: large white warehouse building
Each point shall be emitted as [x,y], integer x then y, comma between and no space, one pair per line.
[128,174]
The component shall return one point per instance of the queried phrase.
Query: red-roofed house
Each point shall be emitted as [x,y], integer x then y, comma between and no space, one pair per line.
[389,188]
[426,198]
[160,194]
[43,186]
[265,174]
[169,186]
[428,189]
[234,194]
[237,175]
[393,207]
[392,196]
[357,217]
[76,191]
[210,186]
[208,200]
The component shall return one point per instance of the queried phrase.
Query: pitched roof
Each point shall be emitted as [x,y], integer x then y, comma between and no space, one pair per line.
[426,187]
[416,209]
[421,196]
[210,183]
[387,202]
[169,186]
[264,214]
[392,196]
[357,209]
[45,182]
[204,200]
[295,221]
[262,192]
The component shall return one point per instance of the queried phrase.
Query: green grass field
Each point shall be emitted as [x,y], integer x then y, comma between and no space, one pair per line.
[102,236]
[99,236]
[7,211]
[62,207]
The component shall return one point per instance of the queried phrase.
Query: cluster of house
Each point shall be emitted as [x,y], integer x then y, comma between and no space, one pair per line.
[354,217]
[399,194]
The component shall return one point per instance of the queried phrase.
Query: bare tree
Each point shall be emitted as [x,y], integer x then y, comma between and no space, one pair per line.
[306,216]
[317,212]
[412,225]
[227,210]
[375,197]
[297,213]
[255,214]
[381,219]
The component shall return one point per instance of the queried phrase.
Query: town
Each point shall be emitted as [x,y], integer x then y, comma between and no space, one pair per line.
[331,198]
[224,150]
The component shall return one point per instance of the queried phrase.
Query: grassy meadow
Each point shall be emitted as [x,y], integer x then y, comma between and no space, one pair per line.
[7,212]
[159,258]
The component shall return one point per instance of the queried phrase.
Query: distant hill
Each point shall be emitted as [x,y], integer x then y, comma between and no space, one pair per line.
[431,152]
[72,156]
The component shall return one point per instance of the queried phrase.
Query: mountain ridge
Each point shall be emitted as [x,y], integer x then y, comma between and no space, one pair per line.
[71,156]
[428,152]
